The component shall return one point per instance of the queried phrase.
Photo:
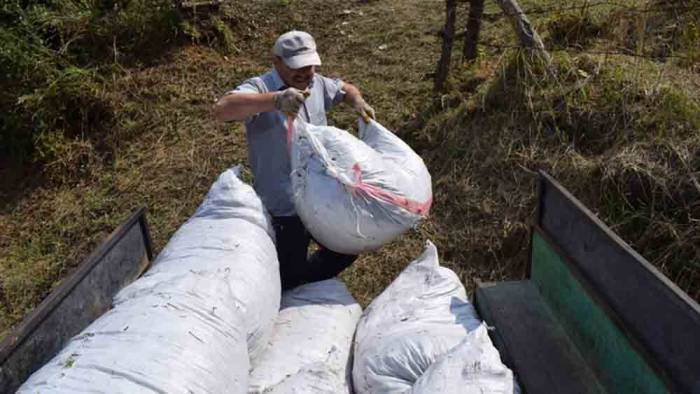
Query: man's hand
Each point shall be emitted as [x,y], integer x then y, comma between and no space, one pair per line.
[290,100]
[363,109]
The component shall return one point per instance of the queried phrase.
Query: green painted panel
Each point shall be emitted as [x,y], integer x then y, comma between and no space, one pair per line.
[619,366]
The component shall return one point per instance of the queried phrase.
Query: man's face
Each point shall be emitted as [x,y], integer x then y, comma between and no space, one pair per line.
[299,78]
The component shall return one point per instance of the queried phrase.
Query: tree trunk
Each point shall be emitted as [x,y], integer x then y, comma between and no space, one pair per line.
[448,35]
[526,34]
[471,35]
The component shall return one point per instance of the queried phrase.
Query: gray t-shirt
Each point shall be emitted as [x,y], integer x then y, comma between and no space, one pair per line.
[266,133]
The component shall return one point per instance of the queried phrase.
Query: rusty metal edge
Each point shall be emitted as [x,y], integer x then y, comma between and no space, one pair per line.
[547,179]
[24,329]
[599,300]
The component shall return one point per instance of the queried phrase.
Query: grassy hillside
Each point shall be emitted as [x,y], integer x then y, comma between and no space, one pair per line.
[109,104]
[615,117]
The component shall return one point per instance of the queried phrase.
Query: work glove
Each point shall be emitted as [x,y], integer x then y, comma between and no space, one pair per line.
[290,100]
[364,110]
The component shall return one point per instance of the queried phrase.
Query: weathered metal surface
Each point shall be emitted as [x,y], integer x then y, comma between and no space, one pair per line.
[76,302]
[603,341]
[531,340]
[659,319]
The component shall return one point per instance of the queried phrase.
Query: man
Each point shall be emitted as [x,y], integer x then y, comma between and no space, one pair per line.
[292,87]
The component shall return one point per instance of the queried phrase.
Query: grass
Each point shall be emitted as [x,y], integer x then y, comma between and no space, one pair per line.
[620,131]
[610,144]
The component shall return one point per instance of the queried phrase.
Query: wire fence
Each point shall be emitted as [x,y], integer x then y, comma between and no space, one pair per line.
[528,38]
[638,84]
[588,6]
[574,49]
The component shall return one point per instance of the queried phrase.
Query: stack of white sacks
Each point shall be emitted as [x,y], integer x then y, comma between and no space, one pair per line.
[208,317]
[195,321]
[421,336]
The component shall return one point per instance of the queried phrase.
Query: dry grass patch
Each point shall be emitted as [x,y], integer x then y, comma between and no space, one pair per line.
[167,152]
[621,132]
[623,138]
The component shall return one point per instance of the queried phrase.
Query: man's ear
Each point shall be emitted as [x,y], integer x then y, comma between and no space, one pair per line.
[276,60]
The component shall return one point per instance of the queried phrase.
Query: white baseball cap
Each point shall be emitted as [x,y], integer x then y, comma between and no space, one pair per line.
[297,49]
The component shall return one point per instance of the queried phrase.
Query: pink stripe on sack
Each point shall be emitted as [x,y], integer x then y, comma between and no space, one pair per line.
[290,124]
[411,206]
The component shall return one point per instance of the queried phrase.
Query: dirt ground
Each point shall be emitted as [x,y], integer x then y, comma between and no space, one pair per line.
[481,144]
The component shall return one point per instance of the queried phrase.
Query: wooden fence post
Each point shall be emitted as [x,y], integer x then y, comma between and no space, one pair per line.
[527,35]
[471,34]
[448,35]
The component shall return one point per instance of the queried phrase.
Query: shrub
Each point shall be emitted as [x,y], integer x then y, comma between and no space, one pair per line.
[54,59]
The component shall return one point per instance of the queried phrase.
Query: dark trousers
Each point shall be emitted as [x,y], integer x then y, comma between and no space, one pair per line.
[296,266]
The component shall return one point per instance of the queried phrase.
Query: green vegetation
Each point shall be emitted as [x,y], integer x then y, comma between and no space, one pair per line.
[107,109]
[622,132]
[86,119]
[56,57]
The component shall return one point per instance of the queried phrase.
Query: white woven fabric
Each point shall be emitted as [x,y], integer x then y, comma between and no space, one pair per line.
[472,367]
[311,344]
[417,319]
[194,320]
[338,182]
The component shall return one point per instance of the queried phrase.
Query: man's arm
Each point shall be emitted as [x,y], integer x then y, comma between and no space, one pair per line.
[354,98]
[239,106]
[352,93]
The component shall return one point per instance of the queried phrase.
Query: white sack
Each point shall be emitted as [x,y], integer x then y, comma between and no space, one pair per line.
[230,231]
[354,195]
[310,347]
[419,317]
[158,343]
[189,323]
[472,367]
